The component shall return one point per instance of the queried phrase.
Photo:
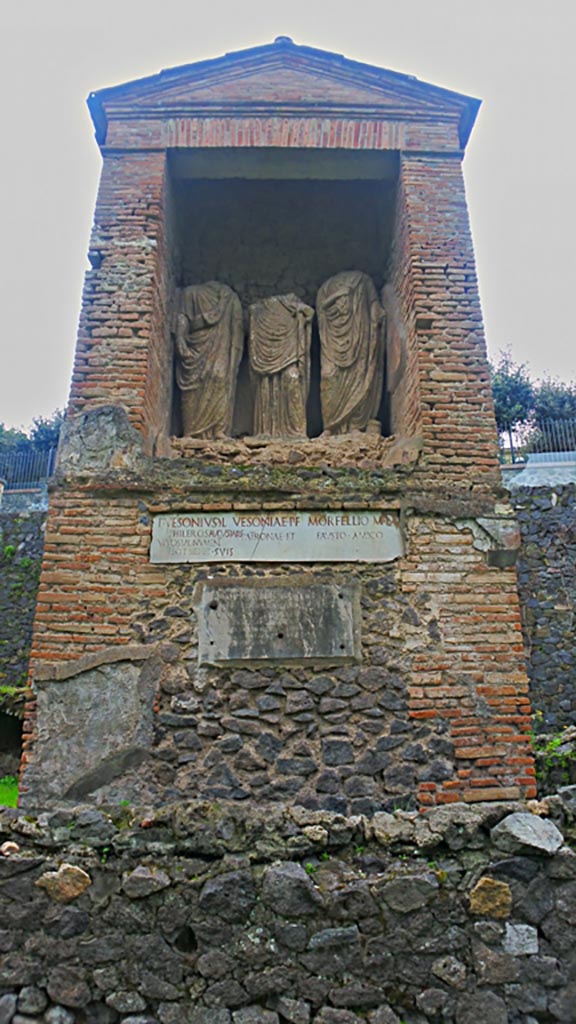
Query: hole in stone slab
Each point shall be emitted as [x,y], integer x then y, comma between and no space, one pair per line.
[213,603]
[211,643]
[185,941]
[342,647]
[280,636]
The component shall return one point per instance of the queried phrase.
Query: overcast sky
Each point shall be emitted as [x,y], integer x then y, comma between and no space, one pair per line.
[515,55]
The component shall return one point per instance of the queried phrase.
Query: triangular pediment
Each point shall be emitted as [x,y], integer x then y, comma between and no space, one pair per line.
[285,77]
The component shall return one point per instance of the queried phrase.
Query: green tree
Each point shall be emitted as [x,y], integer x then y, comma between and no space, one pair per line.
[12,440]
[513,395]
[554,400]
[46,429]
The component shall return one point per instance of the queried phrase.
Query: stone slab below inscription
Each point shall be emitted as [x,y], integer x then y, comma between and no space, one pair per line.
[278,621]
[314,536]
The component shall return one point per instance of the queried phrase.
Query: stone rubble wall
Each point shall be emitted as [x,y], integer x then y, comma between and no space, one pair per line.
[547,586]
[21,546]
[202,913]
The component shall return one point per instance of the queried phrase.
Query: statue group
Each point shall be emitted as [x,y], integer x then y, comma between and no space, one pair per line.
[209,338]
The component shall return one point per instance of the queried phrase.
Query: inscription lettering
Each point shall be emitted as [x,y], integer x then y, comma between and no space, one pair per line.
[362,536]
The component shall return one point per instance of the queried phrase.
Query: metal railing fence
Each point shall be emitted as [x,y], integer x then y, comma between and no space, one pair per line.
[27,470]
[552,440]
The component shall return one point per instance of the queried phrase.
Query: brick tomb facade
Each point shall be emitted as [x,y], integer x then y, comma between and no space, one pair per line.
[287,613]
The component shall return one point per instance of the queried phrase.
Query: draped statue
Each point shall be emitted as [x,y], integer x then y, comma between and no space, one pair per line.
[280,331]
[209,342]
[351,326]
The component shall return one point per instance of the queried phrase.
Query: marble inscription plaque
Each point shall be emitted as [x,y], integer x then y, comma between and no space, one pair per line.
[278,621]
[314,536]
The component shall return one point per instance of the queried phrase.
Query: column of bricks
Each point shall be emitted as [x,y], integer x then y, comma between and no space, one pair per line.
[122,331]
[446,321]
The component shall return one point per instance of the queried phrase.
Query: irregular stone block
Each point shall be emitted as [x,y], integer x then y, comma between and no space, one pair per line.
[334,938]
[209,1017]
[481,1006]
[493,967]
[450,970]
[295,1011]
[126,1002]
[521,939]
[143,881]
[288,890]
[383,1015]
[65,884]
[330,1015]
[7,1007]
[255,1015]
[527,833]
[231,895]
[491,897]
[58,1015]
[409,893]
[67,985]
[32,1000]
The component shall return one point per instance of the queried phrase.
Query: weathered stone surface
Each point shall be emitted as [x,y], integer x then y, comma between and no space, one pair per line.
[126,1002]
[98,440]
[67,985]
[494,967]
[450,970]
[231,895]
[521,939]
[383,1015]
[288,888]
[143,881]
[481,1006]
[32,1000]
[527,833]
[209,1017]
[410,893]
[65,884]
[108,712]
[295,1011]
[328,1015]
[8,1003]
[255,1015]
[263,621]
[59,1015]
[491,897]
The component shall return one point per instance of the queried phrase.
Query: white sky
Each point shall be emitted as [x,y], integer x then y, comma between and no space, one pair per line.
[515,55]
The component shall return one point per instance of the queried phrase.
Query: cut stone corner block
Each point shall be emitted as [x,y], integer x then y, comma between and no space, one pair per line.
[98,440]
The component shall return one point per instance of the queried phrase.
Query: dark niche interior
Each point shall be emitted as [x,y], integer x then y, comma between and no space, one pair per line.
[274,222]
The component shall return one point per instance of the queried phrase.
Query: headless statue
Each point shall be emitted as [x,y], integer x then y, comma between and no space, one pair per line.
[351,322]
[209,342]
[279,350]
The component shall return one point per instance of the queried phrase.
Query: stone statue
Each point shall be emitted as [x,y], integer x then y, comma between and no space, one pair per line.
[209,342]
[351,325]
[280,330]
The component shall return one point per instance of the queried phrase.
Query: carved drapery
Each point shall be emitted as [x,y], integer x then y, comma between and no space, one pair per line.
[279,349]
[209,340]
[350,321]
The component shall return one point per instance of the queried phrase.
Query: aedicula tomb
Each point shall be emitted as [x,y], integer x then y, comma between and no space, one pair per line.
[279,565]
